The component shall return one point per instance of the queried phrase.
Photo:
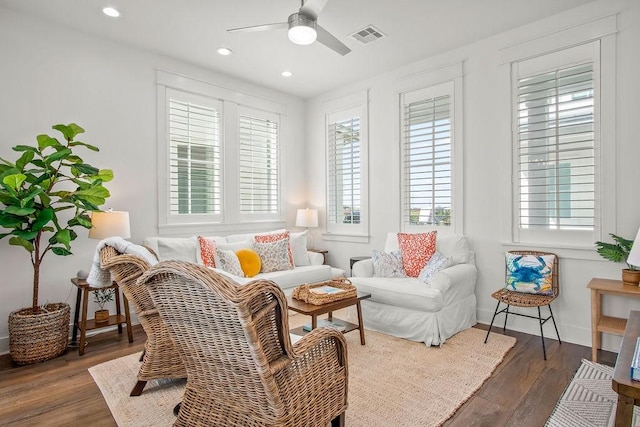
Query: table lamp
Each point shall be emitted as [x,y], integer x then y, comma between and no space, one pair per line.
[634,253]
[109,224]
[307,218]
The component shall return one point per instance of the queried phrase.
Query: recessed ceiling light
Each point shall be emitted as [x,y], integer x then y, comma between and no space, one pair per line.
[224,51]
[110,11]
[287,74]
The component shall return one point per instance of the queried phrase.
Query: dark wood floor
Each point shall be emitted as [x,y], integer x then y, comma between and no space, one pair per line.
[522,392]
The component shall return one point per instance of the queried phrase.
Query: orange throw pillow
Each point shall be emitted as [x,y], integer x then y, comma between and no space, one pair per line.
[249,262]
[417,249]
[207,251]
[274,237]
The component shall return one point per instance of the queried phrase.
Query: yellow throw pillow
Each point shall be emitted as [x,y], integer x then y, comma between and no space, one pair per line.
[249,262]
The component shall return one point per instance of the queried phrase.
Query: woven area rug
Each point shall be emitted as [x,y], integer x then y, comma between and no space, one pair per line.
[588,400]
[392,382]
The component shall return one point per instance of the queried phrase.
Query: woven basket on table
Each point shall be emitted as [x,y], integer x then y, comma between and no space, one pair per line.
[38,337]
[303,292]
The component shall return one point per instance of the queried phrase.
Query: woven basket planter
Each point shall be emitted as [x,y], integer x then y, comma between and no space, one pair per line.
[38,337]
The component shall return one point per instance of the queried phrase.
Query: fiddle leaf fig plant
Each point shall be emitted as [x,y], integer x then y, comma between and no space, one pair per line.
[616,252]
[48,192]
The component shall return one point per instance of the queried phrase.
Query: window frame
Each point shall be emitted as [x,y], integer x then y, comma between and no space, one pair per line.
[603,31]
[406,98]
[266,116]
[233,101]
[337,109]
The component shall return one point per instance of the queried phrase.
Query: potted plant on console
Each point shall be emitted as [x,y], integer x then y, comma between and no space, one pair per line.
[46,193]
[101,297]
[619,252]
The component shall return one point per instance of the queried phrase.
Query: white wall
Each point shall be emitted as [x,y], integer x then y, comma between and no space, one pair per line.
[50,75]
[486,139]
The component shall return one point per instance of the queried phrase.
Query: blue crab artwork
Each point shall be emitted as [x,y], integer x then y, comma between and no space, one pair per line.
[528,273]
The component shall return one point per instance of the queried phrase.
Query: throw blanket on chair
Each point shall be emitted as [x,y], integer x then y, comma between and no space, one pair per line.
[99,277]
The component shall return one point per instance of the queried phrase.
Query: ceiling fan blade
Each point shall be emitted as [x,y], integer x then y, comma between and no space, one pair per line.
[312,8]
[264,27]
[330,41]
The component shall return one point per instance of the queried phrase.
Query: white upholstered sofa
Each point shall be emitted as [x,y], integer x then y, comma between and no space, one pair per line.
[424,312]
[309,266]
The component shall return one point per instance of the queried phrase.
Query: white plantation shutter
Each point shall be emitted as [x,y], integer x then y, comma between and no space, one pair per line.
[194,156]
[555,143]
[344,168]
[258,162]
[427,157]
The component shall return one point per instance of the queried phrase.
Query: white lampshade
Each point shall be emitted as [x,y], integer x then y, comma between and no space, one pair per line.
[302,30]
[109,224]
[634,254]
[307,218]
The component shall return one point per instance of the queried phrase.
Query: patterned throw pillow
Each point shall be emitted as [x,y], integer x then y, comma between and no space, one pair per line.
[529,273]
[207,251]
[387,264]
[229,262]
[416,250]
[249,262]
[274,237]
[436,263]
[274,256]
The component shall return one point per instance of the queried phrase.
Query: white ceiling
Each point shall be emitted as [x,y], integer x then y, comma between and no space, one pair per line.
[192,30]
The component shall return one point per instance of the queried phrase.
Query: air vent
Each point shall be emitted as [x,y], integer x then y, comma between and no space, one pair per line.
[368,34]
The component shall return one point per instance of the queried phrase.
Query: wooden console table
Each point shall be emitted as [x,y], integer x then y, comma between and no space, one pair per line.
[627,389]
[607,324]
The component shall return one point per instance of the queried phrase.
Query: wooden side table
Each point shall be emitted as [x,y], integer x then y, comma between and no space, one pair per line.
[85,324]
[607,324]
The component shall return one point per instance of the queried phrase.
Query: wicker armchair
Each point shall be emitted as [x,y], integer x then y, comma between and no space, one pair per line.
[520,299]
[242,369]
[160,358]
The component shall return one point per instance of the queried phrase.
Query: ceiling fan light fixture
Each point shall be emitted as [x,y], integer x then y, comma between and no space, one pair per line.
[302,30]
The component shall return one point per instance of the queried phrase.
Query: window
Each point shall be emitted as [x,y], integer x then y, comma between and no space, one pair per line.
[259,178]
[346,127]
[219,164]
[194,156]
[344,169]
[427,134]
[555,149]
[556,140]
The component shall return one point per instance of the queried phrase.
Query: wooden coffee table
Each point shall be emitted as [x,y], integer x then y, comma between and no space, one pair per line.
[315,310]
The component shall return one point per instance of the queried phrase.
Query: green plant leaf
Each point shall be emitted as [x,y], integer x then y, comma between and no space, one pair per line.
[86,169]
[58,155]
[60,251]
[15,210]
[45,141]
[18,241]
[26,157]
[42,218]
[105,175]
[94,195]
[14,181]
[11,221]
[27,200]
[45,200]
[64,236]
[25,234]
[89,146]
[69,131]
[24,148]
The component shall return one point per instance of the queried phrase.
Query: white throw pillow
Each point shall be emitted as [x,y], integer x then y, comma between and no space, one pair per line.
[274,256]
[387,264]
[177,248]
[298,245]
[436,263]
[227,260]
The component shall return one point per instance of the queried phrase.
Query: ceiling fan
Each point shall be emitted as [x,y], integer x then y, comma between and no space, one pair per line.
[303,27]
